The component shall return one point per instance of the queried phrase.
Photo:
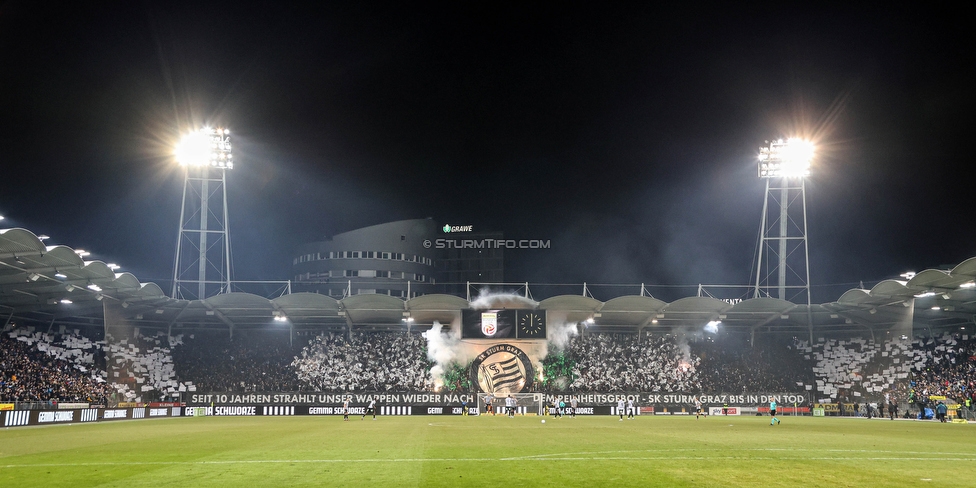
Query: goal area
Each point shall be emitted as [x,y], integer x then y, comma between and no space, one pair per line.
[525,403]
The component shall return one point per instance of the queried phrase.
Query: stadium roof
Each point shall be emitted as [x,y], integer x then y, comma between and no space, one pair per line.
[54,284]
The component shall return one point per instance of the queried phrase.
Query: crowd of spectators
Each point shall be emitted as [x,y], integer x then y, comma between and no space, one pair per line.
[247,362]
[901,370]
[66,366]
[142,366]
[29,375]
[684,363]
[377,361]
[857,370]
[733,365]
[945,366]
[619,362]
[128,367]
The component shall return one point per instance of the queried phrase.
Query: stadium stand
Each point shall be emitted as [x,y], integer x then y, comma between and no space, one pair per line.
[730,364]
[945,366]
[619,362]
[106,370]
[68,366]
[251,361]
[857,370]
[378,361]
[30,371]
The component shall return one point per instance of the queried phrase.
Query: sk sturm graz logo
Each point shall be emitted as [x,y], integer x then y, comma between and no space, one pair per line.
[502,369]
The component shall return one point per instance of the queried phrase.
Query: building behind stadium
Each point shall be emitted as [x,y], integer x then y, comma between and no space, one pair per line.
[405,258]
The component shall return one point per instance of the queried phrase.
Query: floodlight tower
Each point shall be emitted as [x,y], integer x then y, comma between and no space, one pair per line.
[205,155]
[783,249]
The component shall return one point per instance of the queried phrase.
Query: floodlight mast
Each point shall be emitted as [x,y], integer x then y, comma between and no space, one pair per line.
[203,153]
[786,162]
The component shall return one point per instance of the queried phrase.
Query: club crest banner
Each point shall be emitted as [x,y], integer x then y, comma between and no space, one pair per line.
[502,369]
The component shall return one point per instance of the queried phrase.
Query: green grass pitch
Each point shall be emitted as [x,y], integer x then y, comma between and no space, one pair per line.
[489,451]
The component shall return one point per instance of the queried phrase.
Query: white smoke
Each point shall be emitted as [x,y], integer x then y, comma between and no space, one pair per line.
[443,348]
[685,360]
[560,332]
[488,299]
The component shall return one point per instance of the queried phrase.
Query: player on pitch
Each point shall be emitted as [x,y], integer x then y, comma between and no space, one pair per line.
[370,409]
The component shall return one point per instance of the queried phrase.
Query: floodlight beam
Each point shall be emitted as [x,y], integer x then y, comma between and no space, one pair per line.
[205,147]
[786,159]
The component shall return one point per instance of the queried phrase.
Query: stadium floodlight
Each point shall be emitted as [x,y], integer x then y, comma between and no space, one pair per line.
[204,271]
[82,253]
[786,159]
[712,326]
[783,257]
[206,147]
[969,284]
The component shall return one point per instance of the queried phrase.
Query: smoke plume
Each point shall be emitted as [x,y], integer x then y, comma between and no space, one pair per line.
[443,348]
[489,299]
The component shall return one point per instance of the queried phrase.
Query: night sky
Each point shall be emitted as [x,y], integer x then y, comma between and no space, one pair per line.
[628,138]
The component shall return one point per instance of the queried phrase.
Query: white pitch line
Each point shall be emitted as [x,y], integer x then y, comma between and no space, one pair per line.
[712,449]
[432,460]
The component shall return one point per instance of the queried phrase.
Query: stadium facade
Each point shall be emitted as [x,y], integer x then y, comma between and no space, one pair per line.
[403,259]
[385,259]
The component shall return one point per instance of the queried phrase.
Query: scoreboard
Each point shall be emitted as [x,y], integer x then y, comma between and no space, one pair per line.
[503,324]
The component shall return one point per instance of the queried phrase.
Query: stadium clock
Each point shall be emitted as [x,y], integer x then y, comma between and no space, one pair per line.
[531,324]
